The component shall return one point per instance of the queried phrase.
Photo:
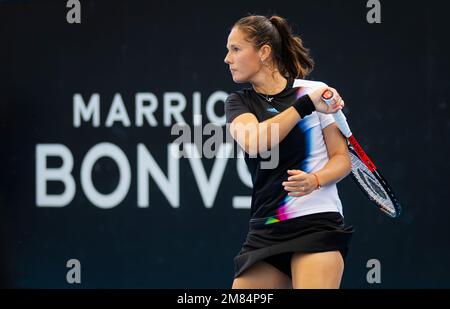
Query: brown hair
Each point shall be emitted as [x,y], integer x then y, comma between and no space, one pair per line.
[288,53]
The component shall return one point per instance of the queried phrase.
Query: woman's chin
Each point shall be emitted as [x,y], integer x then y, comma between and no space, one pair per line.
[238,80]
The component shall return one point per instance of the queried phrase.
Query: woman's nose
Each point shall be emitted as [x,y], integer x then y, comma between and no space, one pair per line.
[226,60]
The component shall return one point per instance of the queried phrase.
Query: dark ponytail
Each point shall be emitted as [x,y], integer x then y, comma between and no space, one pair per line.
[294,57]
[288,53]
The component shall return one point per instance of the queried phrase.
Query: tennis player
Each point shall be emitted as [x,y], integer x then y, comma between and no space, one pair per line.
[297,237]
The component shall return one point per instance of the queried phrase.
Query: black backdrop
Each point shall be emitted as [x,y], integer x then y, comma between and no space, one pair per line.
[394,77]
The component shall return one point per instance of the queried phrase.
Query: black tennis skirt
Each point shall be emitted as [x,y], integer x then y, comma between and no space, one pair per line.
[276,243]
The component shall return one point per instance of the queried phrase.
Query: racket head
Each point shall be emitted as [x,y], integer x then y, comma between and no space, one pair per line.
[374,186]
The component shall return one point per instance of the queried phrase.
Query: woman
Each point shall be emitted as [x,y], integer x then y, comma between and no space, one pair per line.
[297,237]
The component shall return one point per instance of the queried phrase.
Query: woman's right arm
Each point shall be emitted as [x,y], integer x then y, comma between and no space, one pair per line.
[255,137]
[249,133]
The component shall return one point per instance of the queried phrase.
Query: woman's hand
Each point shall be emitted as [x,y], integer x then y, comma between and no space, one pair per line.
[300,183]
[320,105]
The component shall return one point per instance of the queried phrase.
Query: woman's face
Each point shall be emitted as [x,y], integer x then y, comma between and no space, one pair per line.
[242,57]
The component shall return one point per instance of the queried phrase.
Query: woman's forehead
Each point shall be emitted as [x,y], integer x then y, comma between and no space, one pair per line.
[236,36]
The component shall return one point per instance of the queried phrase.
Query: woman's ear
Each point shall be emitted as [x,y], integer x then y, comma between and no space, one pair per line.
[264,53]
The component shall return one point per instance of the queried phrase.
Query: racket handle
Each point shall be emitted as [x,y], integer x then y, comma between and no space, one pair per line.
[339,117]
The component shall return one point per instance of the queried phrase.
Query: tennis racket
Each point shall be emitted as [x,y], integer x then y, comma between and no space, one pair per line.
[364,172]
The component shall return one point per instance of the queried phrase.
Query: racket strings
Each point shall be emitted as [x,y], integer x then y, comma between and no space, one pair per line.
[371,186]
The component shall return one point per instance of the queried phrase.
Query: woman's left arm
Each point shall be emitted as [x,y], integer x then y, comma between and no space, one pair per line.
[338,166]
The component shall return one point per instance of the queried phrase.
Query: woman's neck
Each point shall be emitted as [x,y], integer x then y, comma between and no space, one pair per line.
[270,84]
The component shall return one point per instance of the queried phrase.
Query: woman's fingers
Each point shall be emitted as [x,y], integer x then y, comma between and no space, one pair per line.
[337,102]
[295,194]
[337,105]
[299,177]
[336,95]
[292,183]
[293,189]
[300,187]
[298,193]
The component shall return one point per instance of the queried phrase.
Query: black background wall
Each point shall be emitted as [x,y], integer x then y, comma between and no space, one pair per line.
[394,77]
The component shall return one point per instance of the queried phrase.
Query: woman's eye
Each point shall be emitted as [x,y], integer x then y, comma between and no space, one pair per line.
[236,49]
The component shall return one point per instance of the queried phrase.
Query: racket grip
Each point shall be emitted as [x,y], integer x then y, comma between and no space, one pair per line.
[339,117]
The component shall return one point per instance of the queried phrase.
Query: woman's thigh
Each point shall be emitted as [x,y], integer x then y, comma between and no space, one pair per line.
[322,270]
[262,275]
